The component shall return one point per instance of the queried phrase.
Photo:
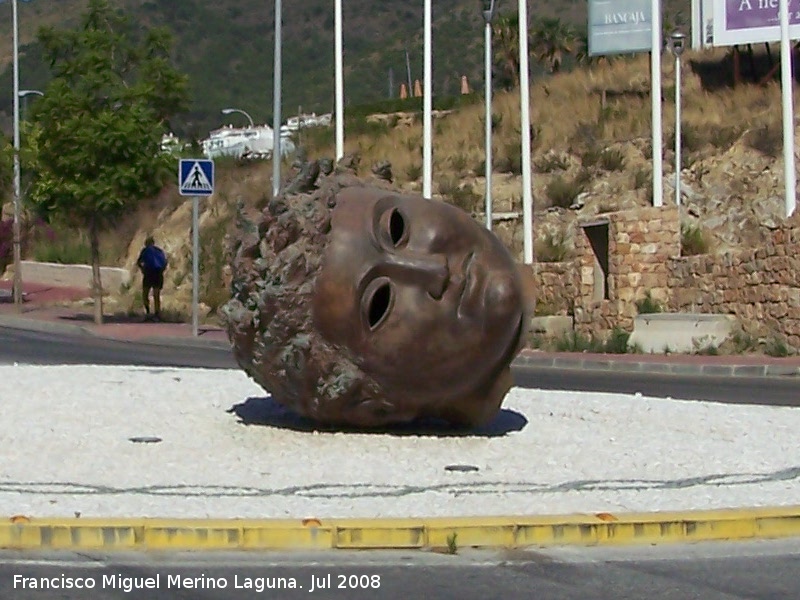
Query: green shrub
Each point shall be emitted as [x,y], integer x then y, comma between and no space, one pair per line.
[723,137]
[641,178]
[511,159]
[583,177]
[212,264]
[316,139]
[562,192]
[413,172]
[497,122]
[463,197]
[550,162]
[6,243]
[617,342]
[413,143]
[552,247]
[591,157]
[66,247]
[458,162]
[709,350]
[648,305]
[776,347]
[612,159]
[574,341]
[767,139]
[694,240]
[743,342]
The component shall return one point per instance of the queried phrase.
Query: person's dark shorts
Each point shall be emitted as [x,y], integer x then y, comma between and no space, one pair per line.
[153,280]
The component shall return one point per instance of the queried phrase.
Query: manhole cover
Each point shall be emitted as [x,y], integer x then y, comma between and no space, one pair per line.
[145,439]
[461,468]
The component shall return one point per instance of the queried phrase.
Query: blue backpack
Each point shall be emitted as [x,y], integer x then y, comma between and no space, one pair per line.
[154,259]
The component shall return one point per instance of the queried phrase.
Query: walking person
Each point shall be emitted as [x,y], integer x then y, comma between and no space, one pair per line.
[152,263]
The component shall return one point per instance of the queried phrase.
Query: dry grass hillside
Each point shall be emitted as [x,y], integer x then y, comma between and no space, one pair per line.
[590,155]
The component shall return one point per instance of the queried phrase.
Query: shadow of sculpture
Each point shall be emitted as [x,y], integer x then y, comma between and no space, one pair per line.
[267,412]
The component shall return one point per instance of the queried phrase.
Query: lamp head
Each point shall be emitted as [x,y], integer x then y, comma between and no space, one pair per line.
[488,9]
[677,42]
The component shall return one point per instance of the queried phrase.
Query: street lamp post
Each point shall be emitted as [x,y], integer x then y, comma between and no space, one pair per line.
[427,101]
[228,111]
[488,10]
[339,76]
[676,46]
[276,102]
[16,225]
[787,109]
[525,126]
[23,94]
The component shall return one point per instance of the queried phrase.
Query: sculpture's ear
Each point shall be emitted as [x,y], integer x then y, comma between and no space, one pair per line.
[526,275]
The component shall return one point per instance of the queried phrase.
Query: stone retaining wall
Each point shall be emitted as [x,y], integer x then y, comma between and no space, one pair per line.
[760,286]
[640,244]
[555,287]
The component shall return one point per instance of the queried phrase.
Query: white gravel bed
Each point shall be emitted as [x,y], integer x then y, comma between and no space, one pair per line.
[228,451]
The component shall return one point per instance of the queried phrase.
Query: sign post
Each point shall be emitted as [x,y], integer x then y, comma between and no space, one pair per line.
[752,22]
[195,179]
[626,26]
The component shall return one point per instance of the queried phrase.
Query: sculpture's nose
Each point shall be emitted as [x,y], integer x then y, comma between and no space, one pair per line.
[428,271]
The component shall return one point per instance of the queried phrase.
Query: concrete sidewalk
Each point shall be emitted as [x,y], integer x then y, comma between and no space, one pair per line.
[58,309]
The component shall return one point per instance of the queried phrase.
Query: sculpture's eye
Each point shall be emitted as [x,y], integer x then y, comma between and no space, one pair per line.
[377,302]
[398,229]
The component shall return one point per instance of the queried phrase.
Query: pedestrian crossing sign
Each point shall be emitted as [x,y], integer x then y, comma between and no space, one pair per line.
[196,177]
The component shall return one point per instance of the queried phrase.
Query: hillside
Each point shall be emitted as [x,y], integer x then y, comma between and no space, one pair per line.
[227,48]
[597,161]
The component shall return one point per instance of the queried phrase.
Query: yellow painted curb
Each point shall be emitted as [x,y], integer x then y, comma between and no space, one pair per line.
[433,533]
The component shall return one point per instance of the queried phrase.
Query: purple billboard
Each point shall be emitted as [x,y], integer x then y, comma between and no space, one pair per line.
[751,21]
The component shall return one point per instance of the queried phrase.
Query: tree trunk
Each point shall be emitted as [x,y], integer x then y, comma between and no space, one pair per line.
[97,284]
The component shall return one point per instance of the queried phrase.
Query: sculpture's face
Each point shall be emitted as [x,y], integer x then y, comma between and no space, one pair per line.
[427,301]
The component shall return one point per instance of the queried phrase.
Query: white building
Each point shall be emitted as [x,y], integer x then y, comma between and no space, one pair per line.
[244,141]
[170,144]
[293,124]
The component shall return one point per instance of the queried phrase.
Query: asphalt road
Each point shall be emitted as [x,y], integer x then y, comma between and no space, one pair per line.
[719,571]
[23,346]
[47,348]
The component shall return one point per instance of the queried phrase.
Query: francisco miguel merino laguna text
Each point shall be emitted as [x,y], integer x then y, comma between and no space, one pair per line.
[201,582]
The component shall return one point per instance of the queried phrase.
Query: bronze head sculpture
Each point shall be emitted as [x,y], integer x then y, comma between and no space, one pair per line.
[363,306]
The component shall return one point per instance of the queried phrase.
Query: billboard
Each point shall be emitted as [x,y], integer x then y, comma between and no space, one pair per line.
[702,23]
[620,26]
[751,21]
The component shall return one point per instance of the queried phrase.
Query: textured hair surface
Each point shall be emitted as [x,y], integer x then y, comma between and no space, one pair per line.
[276,260]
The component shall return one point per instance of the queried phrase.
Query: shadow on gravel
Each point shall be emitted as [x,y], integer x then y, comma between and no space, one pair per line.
[267,412]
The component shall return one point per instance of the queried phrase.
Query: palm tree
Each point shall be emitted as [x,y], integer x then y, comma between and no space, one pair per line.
[582,56]
[551,40]
[505,31]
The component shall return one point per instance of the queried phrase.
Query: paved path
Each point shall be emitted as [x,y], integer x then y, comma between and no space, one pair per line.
[53,308]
